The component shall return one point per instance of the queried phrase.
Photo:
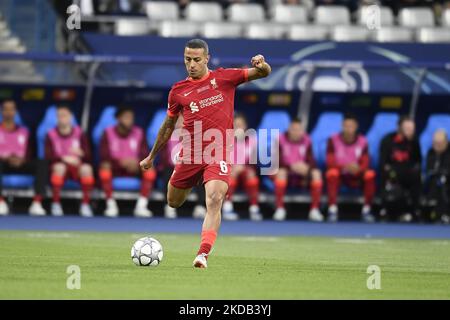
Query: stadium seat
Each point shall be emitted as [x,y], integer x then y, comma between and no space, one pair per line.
[328,124]
[265,30]
[289,14]
[155,124]
[17,180]
[204,11]
[307,32]
[162,10]
[221,30]
[332,15]
[272,120]
[383,124]
[435,122]
[446,18]
[131,27]
[178,29]
[394,34]
[366,14]
[349,33]
[246,12]
[433,35]
[87,7]
[416,17]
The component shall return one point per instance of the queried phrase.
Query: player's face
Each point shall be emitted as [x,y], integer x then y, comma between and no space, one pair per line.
[196,61]
[126,120]
[440,142]
[64,117]
[349,128]
[9,110]
[408,128]
[295,131]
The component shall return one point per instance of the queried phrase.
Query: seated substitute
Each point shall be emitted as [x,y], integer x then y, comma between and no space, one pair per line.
[15,158]
[400,168]
[121,148]
[438,176]
[68,151]
[347,162]
[297,168]
[243,172]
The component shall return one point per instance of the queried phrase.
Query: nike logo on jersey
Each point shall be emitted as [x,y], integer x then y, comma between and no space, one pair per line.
[187,93]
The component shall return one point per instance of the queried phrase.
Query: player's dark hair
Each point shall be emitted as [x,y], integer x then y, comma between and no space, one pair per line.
[240,115]
[404,118]
[63,106]
[197,44]
[350,116]
[296,120]
[121,110]
[8,100]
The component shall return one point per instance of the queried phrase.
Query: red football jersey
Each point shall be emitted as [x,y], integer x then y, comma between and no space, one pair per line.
[207,105]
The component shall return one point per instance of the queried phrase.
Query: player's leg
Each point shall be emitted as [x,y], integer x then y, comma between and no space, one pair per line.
[176,196]
[148,181]
[4,209]
[57,177]
[105,174]
[39,168]
[280,182]
[252,188]
[333,183]
[199,211]
[316,185]
[215,194]
[228,209]
[369,186]
[86,174]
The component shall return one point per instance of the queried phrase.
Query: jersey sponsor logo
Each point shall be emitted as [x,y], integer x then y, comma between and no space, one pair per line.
[194,107]
[211,101]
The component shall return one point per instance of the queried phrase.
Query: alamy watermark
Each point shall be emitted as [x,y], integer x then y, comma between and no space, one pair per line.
[373,17]
[73,281]
[73,22]
[374,280]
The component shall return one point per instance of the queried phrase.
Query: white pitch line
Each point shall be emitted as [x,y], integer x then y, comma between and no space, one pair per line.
[358,241]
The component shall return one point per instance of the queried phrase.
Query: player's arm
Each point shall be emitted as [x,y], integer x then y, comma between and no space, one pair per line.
[164,134]
[261,68]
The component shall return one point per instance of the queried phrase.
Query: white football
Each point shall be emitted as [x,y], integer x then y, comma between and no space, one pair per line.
[147,251]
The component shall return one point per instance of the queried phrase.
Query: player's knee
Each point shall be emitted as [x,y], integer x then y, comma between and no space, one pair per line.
[214,199]
[316,175]
[174,202]
[86,170]
[332,173]
[59,169]
[282,174]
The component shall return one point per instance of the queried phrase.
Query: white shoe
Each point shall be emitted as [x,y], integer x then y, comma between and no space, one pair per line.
[169,212]
[141,210]
[199,212]
[200,261]
[407,217]
[315,215]
[255,214]
[333,213]
[56,209]
[86,210]
[445,219]
[280,214]
[228,211]
[367,215]
[4,210]
[112,210]
[36,209]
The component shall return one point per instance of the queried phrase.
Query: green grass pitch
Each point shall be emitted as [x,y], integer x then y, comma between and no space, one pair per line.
[33,265]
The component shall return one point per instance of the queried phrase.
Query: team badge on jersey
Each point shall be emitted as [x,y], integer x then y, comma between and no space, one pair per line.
[214,83]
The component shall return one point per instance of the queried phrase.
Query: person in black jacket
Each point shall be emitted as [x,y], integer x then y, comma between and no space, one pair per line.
[438,176]
[400,168]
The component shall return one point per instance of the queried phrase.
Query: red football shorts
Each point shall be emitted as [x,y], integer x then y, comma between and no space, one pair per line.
[186,176]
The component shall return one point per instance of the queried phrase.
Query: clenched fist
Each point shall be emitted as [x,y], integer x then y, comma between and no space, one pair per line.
[146,164]
[258,61]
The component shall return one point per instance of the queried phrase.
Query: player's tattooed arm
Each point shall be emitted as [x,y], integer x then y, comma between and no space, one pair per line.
[261,68]
[164,134]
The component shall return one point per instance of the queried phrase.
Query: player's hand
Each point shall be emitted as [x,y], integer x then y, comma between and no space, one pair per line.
[146,164]
[72,160]
[258,61]
[300,168]
[15,161]
[353,168]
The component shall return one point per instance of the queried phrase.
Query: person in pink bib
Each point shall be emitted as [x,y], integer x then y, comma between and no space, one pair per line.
[348,162]
[297,169]
[15,158]
[68,150]
[243,171]
[121,148]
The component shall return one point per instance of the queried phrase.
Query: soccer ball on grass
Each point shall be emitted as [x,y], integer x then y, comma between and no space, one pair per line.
[147,251]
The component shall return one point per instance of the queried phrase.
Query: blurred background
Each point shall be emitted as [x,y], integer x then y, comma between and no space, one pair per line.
[376,59]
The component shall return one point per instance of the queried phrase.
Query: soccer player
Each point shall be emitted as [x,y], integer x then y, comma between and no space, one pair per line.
[297,169]
[206,99]
[121,148]
[400,167]
[68,151]
[348,162]
[243,171]
[15,157]
[438,175]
